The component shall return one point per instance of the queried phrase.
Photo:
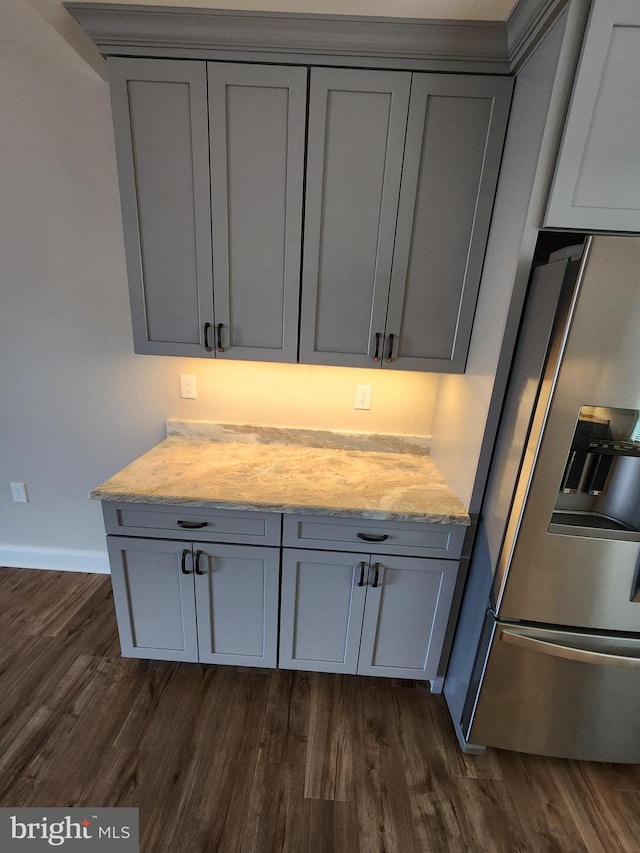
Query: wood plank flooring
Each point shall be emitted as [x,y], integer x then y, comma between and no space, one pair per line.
[267,761]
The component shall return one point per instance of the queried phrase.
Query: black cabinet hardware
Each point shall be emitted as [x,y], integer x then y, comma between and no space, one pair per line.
[183,562]
[376,568]
[368,537]
[198,569]
[390,353]
[207,344]
[220,347]
[362,568]
[635,586]
[192,525]
[376,354]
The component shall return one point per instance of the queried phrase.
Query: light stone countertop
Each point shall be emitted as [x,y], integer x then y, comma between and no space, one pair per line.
[291,471]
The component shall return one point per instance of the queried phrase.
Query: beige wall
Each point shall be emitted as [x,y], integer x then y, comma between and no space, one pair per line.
[76,403]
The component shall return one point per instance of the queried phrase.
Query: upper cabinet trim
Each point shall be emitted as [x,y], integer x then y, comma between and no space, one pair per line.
[475,46]
[527,24]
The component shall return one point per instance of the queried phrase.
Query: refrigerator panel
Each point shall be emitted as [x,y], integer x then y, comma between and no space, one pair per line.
[554,568]
[568,694]
[548,297]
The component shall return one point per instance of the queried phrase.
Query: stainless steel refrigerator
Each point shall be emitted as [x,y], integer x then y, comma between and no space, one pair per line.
[557,666]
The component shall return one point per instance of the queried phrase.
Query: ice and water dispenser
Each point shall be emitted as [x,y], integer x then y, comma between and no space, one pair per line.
[600,488]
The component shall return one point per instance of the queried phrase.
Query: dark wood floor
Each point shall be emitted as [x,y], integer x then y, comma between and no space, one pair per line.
[258,761]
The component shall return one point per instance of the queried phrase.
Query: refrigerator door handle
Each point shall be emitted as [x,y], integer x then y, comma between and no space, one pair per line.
[544,646]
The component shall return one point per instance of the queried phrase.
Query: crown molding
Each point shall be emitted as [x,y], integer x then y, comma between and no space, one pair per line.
[527,23]
[423,44]
[479,46]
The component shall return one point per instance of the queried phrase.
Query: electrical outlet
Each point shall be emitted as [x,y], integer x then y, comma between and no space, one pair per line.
[188,386]
[363,397]
[19,493]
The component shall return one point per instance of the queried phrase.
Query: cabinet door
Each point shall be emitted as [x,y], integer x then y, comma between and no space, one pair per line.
[237,591]
[357,122]
[406,615]
[596,185]
[162,146]
[153,593]
[321,610]
[455,135]
[257,116]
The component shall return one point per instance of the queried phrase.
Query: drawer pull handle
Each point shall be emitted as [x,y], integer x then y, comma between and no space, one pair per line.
[183,562]
[192,525]
[362,568]
[376,567]
[367,537]
[220,347]
[207,343]
[198,569]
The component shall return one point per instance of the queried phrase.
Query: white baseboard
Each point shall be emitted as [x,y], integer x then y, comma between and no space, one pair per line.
[58,559]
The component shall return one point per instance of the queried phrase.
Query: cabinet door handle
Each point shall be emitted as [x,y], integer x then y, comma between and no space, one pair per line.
[390,353]
[198,569]
[376,354]
[192,525]
[370,537]
[363,566]
[376,573]
[207,342]
[220,347]
[183,562]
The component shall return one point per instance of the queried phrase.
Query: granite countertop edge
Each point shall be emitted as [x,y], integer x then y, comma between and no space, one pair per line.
[289,508]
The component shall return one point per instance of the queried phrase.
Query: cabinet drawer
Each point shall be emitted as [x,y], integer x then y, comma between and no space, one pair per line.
[189,522]
[408,538]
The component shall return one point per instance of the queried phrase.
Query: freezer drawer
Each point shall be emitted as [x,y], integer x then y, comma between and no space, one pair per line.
[562,693]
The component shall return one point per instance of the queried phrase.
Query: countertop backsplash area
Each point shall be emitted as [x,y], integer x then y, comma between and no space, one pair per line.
[337,439]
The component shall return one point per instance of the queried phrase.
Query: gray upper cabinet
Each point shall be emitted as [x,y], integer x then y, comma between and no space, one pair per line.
[455,134]
[398,205]
[257,117]
[211,162]
[397,172]
[596,185]
[357,122]
[162,147]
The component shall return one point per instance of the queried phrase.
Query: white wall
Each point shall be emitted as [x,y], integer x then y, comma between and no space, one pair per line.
[76,403]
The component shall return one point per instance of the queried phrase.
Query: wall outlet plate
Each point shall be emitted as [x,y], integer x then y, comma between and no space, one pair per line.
[188,386]
[19,493]
[363,397]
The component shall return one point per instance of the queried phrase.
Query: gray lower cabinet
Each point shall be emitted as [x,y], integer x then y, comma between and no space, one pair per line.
[371,614]
[211,160]
[184,601]
[401,176]
[596,185]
